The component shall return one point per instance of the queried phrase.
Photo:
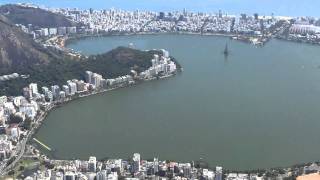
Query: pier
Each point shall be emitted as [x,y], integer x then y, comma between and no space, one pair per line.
[42,144]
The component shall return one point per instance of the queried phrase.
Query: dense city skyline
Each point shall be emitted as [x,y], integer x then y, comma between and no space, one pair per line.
[285,7]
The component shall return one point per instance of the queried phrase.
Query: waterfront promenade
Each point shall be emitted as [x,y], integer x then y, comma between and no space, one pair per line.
[17,155]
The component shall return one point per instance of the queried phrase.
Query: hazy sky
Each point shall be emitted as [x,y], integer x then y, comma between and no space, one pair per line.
[266,7]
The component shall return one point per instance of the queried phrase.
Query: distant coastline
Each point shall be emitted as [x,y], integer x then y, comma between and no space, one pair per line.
[69,39]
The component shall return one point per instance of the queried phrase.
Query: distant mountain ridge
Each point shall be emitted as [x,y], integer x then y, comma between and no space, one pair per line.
[18,14]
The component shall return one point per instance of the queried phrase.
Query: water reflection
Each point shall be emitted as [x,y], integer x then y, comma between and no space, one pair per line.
[226,60]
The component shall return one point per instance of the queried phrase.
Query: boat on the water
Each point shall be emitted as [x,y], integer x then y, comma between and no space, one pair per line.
[226,50]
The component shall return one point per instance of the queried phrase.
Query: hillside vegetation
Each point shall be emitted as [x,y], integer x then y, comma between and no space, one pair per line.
[18,51]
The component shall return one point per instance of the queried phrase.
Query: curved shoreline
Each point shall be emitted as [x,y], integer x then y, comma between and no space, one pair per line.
[42,115]
[122,87]
[69,39]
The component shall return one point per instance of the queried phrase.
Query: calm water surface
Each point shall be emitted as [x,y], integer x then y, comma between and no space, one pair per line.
[258,108]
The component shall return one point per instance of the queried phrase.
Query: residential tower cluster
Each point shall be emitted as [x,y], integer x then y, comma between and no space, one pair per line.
[137,168]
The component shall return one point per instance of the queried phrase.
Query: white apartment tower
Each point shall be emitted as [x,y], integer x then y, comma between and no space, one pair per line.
[92,164]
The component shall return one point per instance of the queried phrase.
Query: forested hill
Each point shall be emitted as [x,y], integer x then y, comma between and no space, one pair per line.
[114,63]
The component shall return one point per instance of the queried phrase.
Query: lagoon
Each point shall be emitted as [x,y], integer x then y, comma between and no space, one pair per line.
[257,108]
